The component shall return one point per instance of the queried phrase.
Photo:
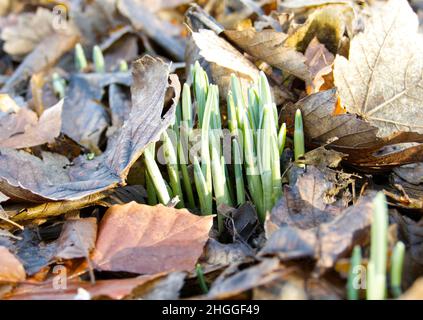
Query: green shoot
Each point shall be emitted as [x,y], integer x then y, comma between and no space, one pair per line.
[172,168]
[397,261]
[185,177]
[151,191]
[59,85]
[156,176]
[355,261]
[376,273]
[202,189]
[98,59]
[80,59]
[239,180]
[123,66]
[299,149]
[201,87]
[201,279]
[282,138]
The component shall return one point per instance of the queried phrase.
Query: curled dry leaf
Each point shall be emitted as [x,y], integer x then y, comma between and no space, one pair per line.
[306,204]
[325,242]
[146,240]
[24,129]
[382,81]
[222,59]
[24,176]
[11,269]
[77,239]
[30,29]
[163,32]
[219,254]
[35,34]
[327,24]
[233,285]
[268,46]
[412,173]
[354,136]
[84,118]
[319,61]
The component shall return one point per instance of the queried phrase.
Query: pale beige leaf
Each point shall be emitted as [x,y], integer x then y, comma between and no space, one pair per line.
[11,269]
[268,46]
[382,80]
[77,238]
[215,49]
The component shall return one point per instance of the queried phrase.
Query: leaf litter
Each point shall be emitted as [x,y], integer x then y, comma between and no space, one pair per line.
[74,146]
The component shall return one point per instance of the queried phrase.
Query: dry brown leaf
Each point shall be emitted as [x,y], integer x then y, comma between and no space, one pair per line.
[29,31]
[326,242]
[412,173]
[355,137]
[415,292]
[242,280]
[24,129]
[77,239]
[24,176]
[221,59]
[146,240]
[268,45]
[109,289]
[11,270]
[319,61]
[294,4]
[306,204]
[327,24]
[45,55]
[216,50]
[382,79]
[84,118]
[163,32]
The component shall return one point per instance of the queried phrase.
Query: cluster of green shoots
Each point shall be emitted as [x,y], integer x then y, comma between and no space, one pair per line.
[81,65]
[250,131]
[376,281]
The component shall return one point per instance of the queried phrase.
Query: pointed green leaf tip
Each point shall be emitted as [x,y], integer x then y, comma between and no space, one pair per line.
[80,59]
[397,262]
[299,148]
[98,60]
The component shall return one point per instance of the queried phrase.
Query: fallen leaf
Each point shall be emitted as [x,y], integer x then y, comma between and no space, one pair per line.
[84,118]
[293,4]
[415,292]
[44,55]
[350,134]
[23,176]
[219,254]
[32,251]
[304,205]
[319,61]
[268,46]
[412,173]
[325,242]
[143,239]
[243,280]
[23,129]
[11,270]
[382,79]
[164,33]
[327,24]
[109,289]
[77,239]
[162,288]
[30,29]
